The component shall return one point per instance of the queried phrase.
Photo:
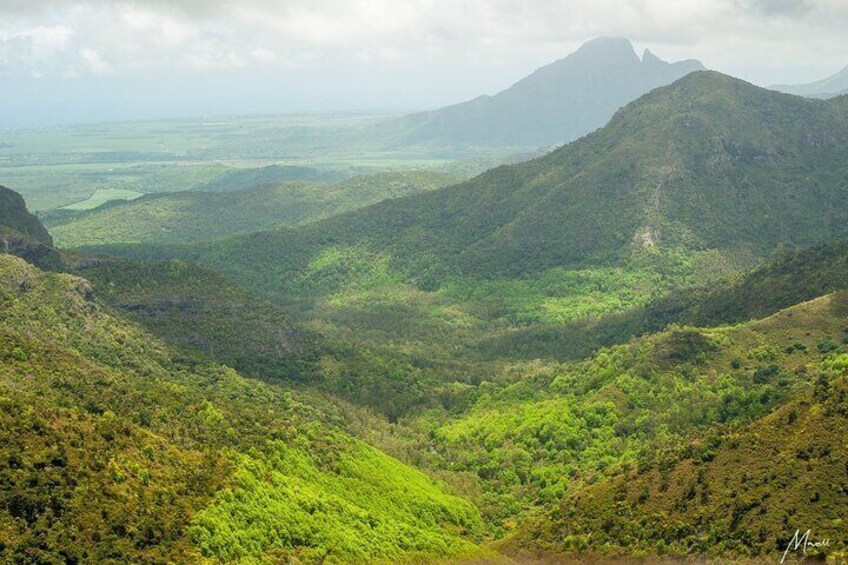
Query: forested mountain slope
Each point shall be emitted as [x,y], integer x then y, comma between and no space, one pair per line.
[117,451]
[742,490]
[790,278]
[709,163]
[541,436]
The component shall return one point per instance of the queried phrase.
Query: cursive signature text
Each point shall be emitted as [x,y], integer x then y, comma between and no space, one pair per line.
[802,541]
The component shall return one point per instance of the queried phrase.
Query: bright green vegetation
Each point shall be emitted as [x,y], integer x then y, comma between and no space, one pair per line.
[102,196]
[536,435]
[115,450]
[788,279]
[290,496]
[201,216]
[740,490]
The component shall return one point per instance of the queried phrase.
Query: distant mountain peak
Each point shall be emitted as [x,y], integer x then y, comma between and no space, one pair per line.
[556,103]
[607,47]
[648,58]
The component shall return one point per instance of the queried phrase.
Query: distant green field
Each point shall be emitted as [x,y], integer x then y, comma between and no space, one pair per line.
[102,196]
[60,167]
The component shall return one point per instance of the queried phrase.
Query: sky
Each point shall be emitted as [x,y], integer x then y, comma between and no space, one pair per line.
[64,61]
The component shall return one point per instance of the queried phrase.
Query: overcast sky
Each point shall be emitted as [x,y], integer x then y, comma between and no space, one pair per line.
[67,61]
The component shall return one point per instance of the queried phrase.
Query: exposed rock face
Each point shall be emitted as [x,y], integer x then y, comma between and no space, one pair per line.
[14,215]
[22,234]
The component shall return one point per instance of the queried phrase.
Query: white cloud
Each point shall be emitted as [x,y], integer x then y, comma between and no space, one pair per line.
[131,36]
[94,62]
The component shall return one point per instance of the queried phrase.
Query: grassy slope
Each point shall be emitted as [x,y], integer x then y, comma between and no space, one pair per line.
[101,196]
[115,451]
[201,216]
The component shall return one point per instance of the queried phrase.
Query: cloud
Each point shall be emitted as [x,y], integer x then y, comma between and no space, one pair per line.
[94,62]
[778,7]
[132,36]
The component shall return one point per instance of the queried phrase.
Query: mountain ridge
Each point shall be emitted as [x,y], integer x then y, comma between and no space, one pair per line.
[707,163]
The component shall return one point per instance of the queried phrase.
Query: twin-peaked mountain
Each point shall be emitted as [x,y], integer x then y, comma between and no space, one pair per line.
[555,104]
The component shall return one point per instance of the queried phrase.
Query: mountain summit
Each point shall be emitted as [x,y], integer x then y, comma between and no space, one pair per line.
[555,104]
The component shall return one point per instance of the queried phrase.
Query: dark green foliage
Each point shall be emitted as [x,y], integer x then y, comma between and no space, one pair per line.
[200,310]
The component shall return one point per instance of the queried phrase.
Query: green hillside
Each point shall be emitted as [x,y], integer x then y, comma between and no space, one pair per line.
[788,279]
[687,185]
[538,433]
[200,216]
[116,451]
[742,490]
[201,311]
[708,163]
[585,349]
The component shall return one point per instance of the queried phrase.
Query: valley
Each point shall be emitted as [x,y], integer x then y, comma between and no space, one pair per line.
[450,337]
